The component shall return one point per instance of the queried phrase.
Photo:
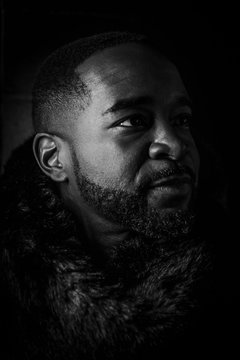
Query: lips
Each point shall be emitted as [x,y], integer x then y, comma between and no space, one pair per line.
[175,181]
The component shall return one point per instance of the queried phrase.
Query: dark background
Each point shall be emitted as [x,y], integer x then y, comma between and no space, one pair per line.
[208,36]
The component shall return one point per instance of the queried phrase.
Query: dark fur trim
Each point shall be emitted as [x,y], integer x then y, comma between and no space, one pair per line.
[61,303]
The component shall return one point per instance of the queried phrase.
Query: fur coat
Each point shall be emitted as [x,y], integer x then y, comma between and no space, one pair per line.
[61,299]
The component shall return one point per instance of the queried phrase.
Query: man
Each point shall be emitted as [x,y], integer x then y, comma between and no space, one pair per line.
[104,254]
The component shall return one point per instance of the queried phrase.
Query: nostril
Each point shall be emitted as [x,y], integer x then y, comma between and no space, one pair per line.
[174,150]
[157,150]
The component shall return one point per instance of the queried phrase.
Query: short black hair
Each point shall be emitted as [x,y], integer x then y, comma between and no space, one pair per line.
[58,83]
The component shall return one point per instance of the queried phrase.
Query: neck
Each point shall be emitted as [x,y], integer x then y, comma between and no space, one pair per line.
[102,231]
[97,228]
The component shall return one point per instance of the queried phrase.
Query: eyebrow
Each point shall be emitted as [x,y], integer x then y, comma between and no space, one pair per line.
[129,103]
[182,100]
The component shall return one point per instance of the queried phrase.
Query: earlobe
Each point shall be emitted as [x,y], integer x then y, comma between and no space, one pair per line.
[46,152]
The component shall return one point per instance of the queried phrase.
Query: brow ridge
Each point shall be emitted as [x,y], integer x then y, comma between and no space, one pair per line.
[181,100]
[129,103]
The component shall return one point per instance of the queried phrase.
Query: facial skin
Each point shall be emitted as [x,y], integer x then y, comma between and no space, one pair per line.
[132,161]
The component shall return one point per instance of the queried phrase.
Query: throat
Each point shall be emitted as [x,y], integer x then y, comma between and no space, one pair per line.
[98,230]
[103,232]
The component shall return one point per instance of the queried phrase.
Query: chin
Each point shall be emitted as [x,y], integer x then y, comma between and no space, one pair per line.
[170,203]
[163,224]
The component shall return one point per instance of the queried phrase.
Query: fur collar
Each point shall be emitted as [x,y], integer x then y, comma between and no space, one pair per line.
[61,302]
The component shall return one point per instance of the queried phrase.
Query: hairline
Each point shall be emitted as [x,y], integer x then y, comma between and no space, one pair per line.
[68,100]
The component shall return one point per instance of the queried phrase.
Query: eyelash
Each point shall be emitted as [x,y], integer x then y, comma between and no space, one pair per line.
[185,120]
[144,119]
[182,120]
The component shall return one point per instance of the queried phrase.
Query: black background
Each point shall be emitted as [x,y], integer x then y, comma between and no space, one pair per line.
[208,36]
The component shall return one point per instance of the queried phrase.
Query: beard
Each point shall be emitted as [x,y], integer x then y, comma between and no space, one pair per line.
[131,210]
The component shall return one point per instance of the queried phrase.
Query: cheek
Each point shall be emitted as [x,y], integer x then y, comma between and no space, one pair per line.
[106,164]
[195,158]
[192,158]
[188,139]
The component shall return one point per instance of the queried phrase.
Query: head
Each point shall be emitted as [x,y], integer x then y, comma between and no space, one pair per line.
[113,130]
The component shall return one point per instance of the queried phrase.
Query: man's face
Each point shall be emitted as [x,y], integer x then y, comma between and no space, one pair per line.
[133,154]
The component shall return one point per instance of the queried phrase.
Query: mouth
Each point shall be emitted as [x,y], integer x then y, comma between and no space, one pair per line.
[172,191]
[172,181]
[173,185]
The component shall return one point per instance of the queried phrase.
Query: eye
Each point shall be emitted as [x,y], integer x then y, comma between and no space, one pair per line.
[135,121]
[183,120]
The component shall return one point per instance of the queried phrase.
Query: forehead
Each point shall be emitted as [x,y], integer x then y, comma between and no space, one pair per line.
[131,69]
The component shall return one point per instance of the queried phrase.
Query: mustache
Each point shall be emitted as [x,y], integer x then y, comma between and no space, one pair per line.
[168,171]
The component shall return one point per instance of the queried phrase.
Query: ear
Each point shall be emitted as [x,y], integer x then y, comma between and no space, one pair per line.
[46,149]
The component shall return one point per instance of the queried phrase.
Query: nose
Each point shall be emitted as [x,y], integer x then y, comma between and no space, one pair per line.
[167,143]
